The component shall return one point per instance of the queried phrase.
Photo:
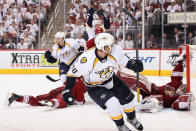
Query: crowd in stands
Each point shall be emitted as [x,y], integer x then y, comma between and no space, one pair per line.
[19,22]
[78,15]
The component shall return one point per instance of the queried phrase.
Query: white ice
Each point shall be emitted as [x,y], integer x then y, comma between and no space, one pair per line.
[88,117]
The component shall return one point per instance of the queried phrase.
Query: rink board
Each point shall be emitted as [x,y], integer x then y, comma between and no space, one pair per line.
[156,62]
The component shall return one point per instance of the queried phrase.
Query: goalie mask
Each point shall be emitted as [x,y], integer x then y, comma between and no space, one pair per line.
[103,40]
[59,37]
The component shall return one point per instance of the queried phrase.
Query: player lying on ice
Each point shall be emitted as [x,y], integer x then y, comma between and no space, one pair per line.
[173,94]
[53,98]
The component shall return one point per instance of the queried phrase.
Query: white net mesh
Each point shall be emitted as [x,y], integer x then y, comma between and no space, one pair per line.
[192,66]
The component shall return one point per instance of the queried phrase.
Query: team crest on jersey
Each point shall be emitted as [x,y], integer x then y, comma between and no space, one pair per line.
[106,72]
[83,60]
[66,54]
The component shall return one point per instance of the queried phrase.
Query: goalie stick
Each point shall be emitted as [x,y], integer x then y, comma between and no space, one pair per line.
[124,10]
[51,79]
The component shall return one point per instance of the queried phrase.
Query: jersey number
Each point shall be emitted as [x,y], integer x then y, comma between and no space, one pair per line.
[74,70]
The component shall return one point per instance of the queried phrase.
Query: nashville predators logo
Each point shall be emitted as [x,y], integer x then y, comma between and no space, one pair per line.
[66,54]
[106,72]
[83,60]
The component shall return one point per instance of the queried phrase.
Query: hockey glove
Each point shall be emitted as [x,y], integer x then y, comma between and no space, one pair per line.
[135,65]
[49,57]
[91,11]
[67,96]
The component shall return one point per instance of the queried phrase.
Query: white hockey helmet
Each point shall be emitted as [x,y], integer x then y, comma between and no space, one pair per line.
[104,39]
[60,35]
[96,22]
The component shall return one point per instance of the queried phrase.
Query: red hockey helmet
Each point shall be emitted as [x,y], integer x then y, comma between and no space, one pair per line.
[98,30]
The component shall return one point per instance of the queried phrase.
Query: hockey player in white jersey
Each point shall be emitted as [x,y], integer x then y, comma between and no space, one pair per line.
[98,68]
[64,50]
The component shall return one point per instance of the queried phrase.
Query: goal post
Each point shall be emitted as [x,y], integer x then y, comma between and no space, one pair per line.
[190,65]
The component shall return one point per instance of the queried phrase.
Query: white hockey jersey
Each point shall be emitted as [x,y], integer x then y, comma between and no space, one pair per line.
[66,54]
[95,72]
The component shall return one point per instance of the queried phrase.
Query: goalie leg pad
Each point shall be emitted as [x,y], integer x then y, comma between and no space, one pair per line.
[182,103]
[151,104]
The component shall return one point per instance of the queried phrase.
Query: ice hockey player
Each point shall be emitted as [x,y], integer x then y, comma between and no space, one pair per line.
[64,50]
[91,42]
[94,27]
[53,98]
[98,66]
[173,94]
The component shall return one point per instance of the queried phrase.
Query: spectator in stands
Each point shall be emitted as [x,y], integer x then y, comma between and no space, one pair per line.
[10,45]
[3,10]
[79,27]
[39,15]
[177,38]
[21,27]
[12,27]
[34,26]
[25,20]
[139,37]
[173,7]
[72,11]
[190,38]
[80,13]
[4,41]
[166,41]
[14,37]
[120,41]
[81,41]
[22,45]
[1,32]
[43,11]
[46,4]
[31,31]
[29,39]
[151,44]
[128,42]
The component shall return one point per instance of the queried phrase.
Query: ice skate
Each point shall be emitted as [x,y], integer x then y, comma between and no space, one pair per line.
[46,103]
[136,124]
[123,128]
[11,97]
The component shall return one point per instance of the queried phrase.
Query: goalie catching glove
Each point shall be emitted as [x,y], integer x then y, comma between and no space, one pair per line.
[49,57]
[135,65]
[68,96]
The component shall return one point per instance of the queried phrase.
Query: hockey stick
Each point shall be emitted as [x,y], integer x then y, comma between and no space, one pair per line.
[51,79]
[136,43]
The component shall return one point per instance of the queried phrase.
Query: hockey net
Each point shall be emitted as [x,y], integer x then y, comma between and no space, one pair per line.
[190,65]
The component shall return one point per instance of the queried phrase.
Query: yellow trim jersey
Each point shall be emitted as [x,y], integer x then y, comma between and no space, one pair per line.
[96,72]
[66,54]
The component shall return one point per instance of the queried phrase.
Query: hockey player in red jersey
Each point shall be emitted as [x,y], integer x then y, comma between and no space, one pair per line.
[53,98]
[94,26]
[91,42]
[172,94]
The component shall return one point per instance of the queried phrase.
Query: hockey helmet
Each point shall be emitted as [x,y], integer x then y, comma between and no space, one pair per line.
[104,39]
[59,35]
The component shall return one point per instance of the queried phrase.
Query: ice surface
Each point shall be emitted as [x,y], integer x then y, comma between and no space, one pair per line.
[88,117]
